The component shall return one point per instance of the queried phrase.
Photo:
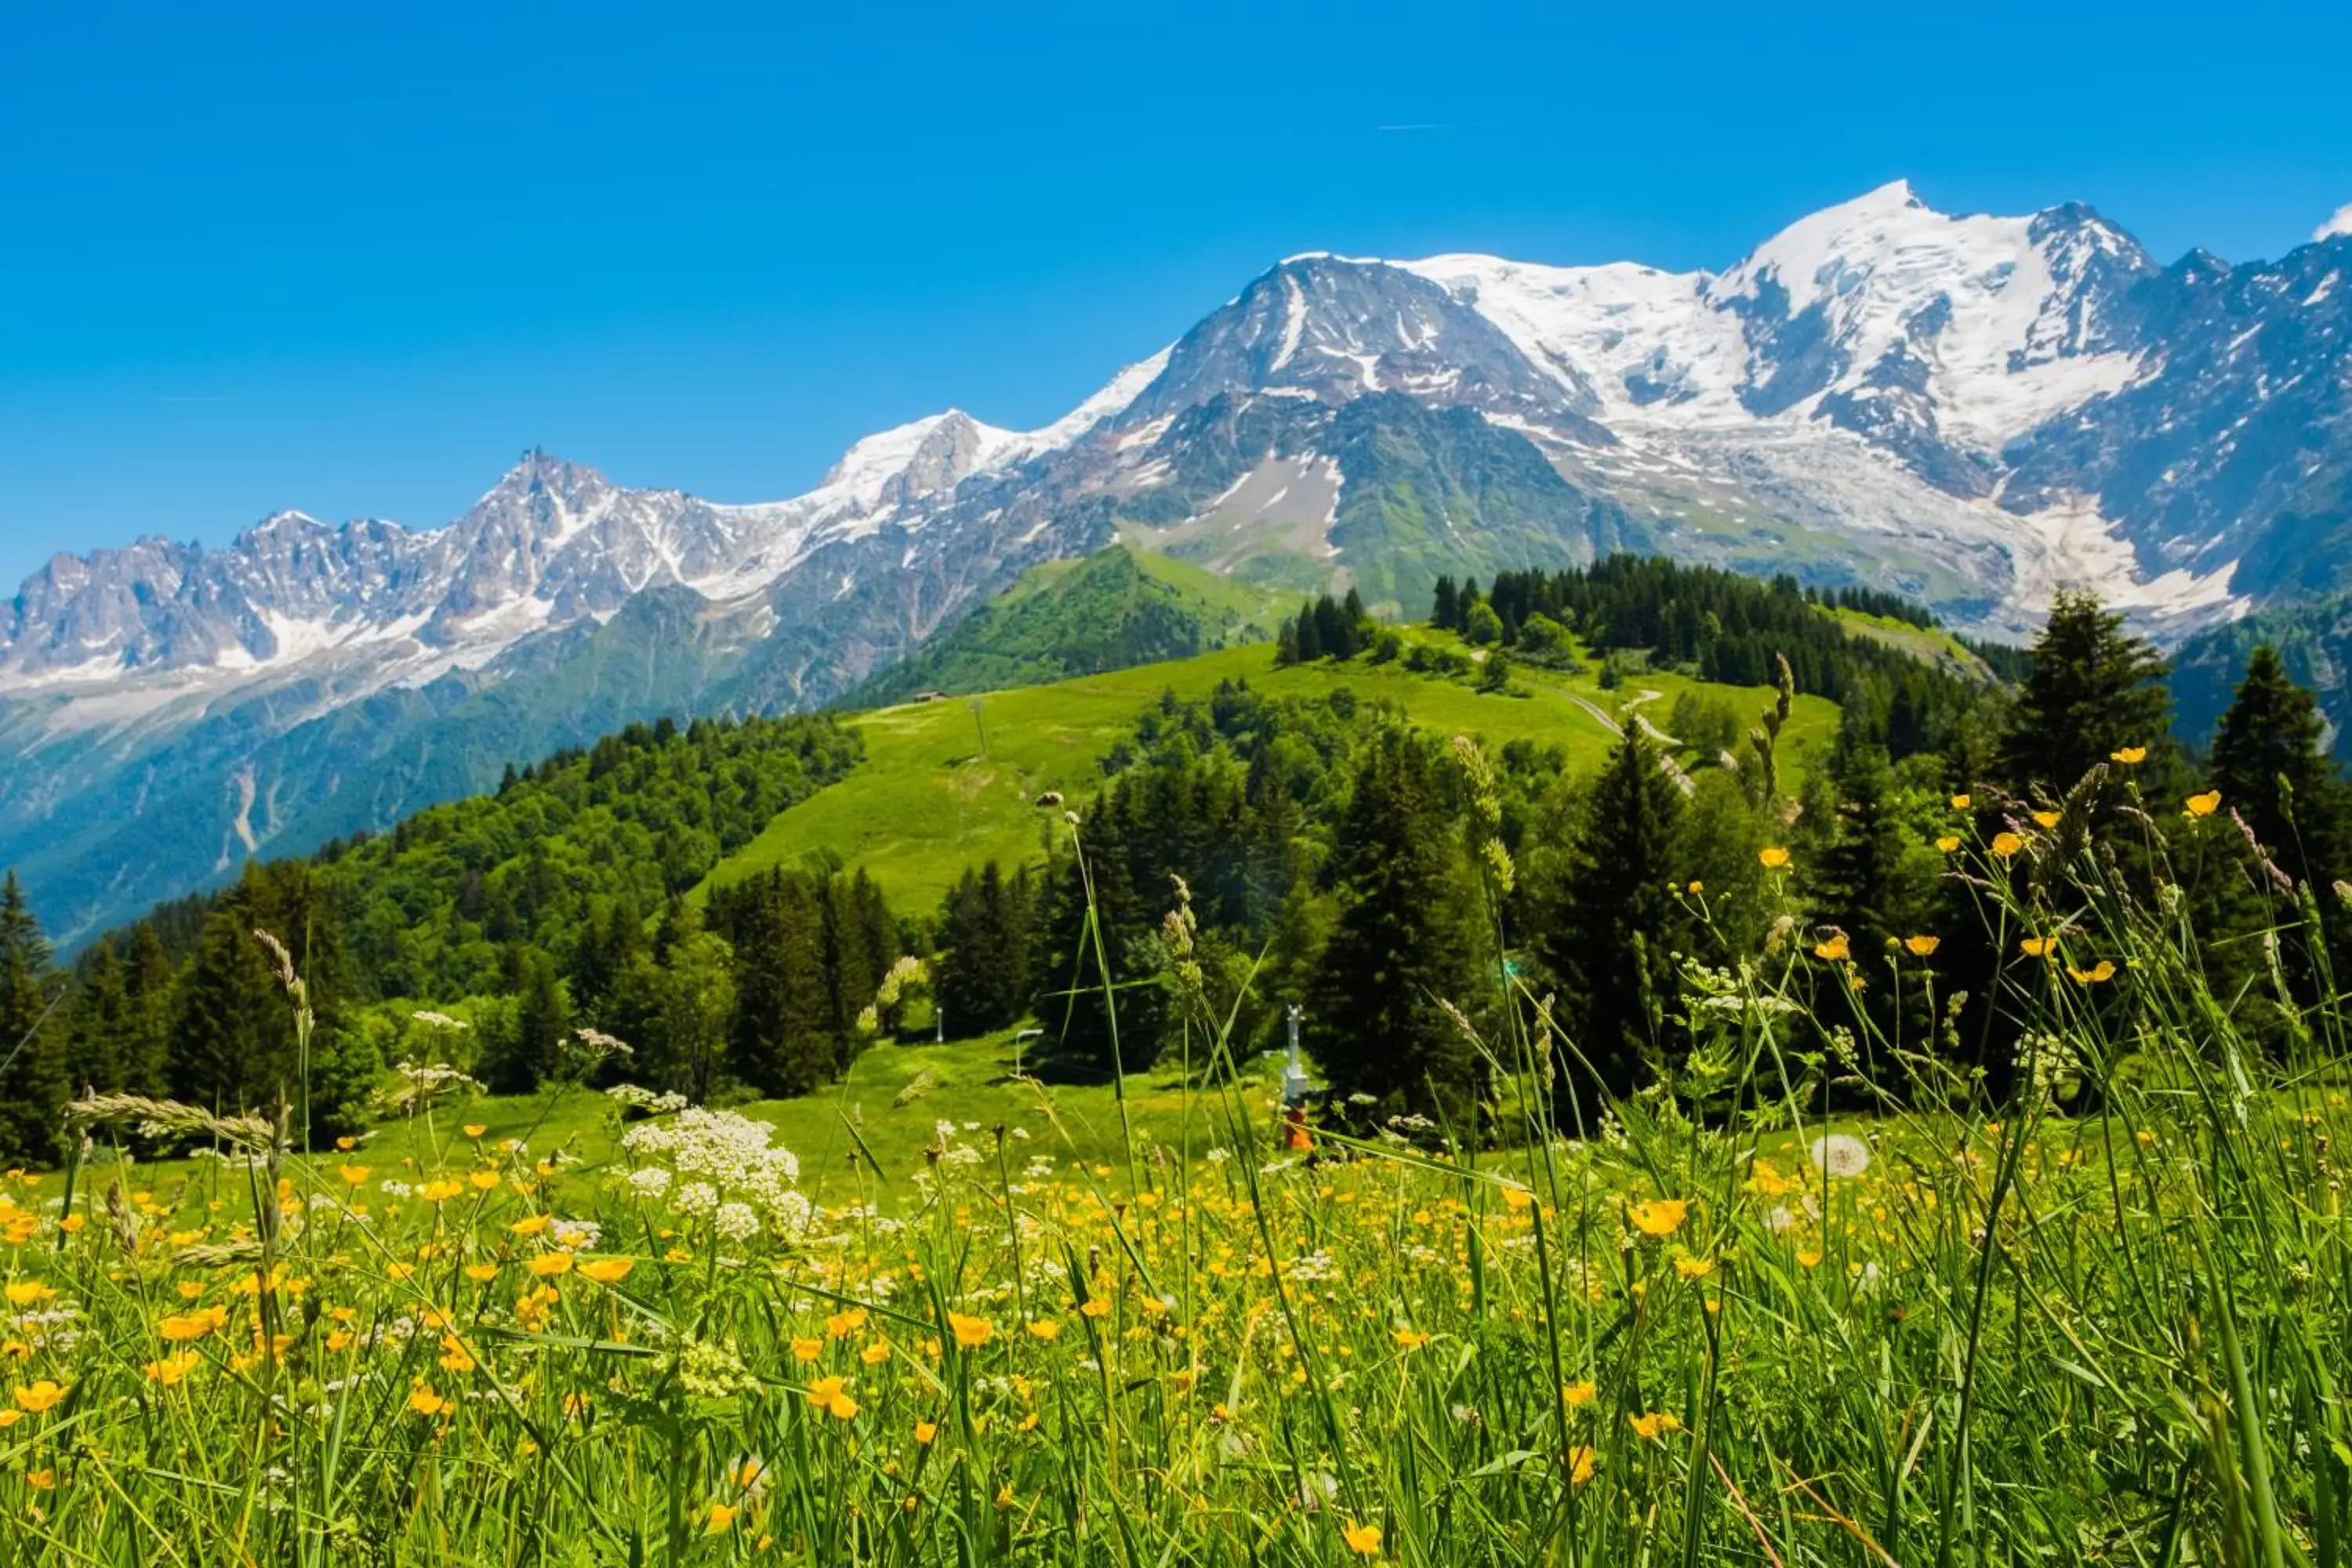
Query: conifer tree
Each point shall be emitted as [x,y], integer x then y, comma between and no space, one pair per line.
[144,1053]
[542,1025]
[1403,943]
[2271,765]
[1103,932]
[1310,635]
[1285,645]
[33,1086]
[1445,611]
[983,973]
[1334,632]
[1614,921]
[2095,691]
[96,1023]
[782,1039]
[227,1044]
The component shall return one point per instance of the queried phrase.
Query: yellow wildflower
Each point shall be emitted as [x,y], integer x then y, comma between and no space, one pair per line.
[1659,1219]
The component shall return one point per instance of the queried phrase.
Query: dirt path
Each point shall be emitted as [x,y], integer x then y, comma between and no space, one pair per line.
[1672,769]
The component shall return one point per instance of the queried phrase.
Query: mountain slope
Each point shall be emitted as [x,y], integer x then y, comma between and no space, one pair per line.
[1111,610]
[1970,411]
[944,785]
[2313,640]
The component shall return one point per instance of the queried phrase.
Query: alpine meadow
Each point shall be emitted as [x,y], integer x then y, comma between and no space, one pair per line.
[1773,1132]
[1586,836]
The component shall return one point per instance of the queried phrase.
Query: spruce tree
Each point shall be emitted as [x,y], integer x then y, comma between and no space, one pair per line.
[1405,942]
[1614,921]
[33,1086]
[1286,646]
[981,977]
[96,1023]
[226,1041]
[2093,691]
[145,1052]
[1103,932]
[1445,611]
[782,1038]
[1334,633]
[1310,634]
[2271,765]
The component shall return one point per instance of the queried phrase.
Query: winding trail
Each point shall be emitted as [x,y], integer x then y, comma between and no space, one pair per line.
[1667,763]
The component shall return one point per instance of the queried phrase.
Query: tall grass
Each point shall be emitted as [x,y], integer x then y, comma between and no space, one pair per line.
[2102,1317]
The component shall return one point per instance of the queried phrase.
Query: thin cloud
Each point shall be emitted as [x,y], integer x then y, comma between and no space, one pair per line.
[1444,125]
[2340,223]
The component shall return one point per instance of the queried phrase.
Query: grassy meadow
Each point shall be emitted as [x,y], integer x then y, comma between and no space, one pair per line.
[952,784]
[2100,1319]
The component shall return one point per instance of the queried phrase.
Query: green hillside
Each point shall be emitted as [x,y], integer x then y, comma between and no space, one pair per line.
[950,784]
[1117,608]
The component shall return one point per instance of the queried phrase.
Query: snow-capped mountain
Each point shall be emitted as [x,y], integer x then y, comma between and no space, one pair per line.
[1972,410]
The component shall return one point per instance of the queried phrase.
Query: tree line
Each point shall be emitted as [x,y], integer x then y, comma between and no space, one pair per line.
[1244,853]
[555,904]
[1250,852]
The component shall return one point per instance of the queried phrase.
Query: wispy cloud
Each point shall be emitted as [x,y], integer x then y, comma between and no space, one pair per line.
[1422,125]
[2340,223]
[196,397]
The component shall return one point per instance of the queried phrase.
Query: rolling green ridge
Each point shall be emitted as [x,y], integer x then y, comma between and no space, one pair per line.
[1112,610]
[948,785]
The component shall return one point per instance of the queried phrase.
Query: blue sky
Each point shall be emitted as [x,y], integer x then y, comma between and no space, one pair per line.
[263,256]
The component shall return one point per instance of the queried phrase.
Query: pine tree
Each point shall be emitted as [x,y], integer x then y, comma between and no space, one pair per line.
[1310,635]
[33,1086]
[145,1052]
[97,1023]
[2270,764]
[1286,646]
[981,977]
[2093,691]
[1103,932]
[227,1043]
[1613,920]
[1334,632]
[1873,881]
[781,1039]
[1403,943]
[1445,612]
